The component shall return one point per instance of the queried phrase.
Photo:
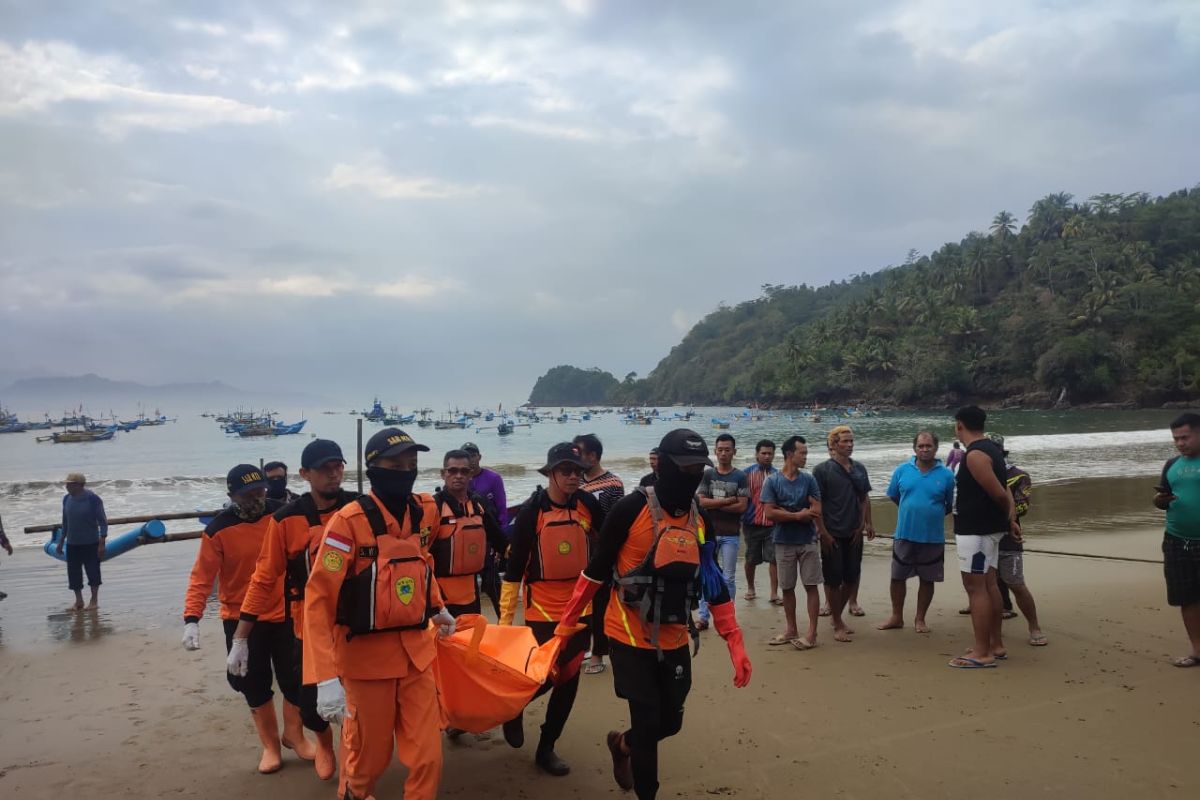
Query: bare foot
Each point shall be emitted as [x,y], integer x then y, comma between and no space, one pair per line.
[93,605]
[824,612]
[998,655]
[843,635]
[78,606]
[920,627]
[890,624]
[856,611]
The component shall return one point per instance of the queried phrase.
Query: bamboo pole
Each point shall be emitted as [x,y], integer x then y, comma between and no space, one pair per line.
[136,519]
[360,465]
[171,537]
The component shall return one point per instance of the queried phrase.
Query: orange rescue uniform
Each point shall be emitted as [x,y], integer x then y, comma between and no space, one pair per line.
[622,622]
[228,553]
[390,688]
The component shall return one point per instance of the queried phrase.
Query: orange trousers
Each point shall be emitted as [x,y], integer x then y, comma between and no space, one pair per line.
[405,710]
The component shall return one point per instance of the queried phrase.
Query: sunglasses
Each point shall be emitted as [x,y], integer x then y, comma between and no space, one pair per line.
[567,471]
[457,470]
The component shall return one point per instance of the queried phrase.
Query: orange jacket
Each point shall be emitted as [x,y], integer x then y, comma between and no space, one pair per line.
[290,535]
[621,622]
[374,656]
[228,552]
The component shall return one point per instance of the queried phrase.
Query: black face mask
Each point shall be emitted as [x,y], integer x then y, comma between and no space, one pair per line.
[674,488]
[277,488]
[394,486]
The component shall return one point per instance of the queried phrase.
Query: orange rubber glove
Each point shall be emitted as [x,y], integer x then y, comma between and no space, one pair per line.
[726,624]
[585,590]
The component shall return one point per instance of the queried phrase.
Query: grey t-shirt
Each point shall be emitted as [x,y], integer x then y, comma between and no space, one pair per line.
[714,485]
[791,495]
[841,493]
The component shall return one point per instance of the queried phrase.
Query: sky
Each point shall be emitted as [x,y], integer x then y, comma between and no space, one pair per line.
[436,202]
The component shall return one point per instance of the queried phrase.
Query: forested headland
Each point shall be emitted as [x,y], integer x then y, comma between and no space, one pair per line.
[1092,301]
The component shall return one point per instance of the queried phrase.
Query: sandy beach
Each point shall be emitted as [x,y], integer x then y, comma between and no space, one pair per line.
[107,703]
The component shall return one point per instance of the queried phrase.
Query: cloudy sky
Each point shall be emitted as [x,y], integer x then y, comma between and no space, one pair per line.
[436,202]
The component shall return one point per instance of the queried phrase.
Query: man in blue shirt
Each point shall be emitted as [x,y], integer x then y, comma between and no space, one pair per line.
[923,488]
[791,500]
[84,529]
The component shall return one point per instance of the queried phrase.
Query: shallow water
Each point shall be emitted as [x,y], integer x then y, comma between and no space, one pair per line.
[181,466]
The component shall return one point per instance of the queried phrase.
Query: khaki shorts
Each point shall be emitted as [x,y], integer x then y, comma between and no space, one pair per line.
[1012,567]
[798,562]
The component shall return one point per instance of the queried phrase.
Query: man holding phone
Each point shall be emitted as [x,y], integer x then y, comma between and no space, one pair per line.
[1178,493]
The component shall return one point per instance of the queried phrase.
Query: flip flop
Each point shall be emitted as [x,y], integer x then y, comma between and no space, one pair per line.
[963,662]
[779,638]
[1004,614]
[857,612]
[800,643]
[824,612]
[594,669]
[1187,661]
[1038,641]
[750,596]
[776,601]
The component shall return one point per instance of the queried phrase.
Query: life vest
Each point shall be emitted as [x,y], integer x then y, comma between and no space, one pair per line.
[295,575]
[394,591]
[460,544]
[563,546]
[665,586]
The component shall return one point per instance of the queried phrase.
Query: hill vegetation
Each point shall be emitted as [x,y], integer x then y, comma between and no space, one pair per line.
[571,386]
[1087,301]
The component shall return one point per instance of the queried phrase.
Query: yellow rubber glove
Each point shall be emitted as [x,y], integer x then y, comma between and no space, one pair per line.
[509,591]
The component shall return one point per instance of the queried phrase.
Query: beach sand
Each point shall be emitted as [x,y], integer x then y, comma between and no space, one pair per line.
[109,704]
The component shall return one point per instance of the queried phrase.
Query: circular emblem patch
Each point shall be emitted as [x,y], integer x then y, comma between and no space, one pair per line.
[473,548]
[333,561]
[405,587]
[564,547]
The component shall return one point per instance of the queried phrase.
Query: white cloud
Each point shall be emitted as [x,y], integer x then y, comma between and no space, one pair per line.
[199,26]
[548,130]
[415,287]
[342,70]
[43,74]
[202,73]
[372,176]
[682,320]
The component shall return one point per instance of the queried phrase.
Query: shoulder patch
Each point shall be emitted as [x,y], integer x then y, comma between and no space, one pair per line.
[333,561]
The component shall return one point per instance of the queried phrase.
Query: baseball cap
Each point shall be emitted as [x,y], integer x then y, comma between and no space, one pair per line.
[244,477]
[390,442]
[685,447]
[562,453]
[470,447]
[320,452]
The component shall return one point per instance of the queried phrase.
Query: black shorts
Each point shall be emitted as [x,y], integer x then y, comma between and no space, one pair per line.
[1181,567]
[655,690]
[272,648]
[842,564]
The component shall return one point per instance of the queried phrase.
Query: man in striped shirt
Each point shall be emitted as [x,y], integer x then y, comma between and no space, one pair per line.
[757,530]
[607,489]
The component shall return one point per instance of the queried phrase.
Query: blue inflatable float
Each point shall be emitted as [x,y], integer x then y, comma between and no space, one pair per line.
[116,545]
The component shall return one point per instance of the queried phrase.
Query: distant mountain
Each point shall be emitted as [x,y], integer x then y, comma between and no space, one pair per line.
[97,394]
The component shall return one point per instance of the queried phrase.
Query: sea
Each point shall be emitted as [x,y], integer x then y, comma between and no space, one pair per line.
[1093,474]
[1111,458]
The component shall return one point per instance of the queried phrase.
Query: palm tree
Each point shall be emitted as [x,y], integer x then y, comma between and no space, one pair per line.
[1003,226]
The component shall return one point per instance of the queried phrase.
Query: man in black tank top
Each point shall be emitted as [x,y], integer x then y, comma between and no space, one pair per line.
[983,513]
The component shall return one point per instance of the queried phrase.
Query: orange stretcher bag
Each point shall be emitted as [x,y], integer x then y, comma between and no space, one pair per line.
[488,673]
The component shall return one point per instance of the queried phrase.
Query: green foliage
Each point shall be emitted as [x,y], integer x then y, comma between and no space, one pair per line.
[571,386]
[1101,298]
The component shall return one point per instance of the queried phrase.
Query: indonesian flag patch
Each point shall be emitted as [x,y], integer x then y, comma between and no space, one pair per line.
[339,542]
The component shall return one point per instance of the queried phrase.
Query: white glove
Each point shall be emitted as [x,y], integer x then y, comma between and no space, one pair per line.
[331,700]
[445,622]
[191,636]
[238,662]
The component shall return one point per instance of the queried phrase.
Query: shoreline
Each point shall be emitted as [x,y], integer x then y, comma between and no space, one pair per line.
[112,700]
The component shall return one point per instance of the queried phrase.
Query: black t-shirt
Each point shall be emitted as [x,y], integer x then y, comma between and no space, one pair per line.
[842,492]
[975,513]
[648,479]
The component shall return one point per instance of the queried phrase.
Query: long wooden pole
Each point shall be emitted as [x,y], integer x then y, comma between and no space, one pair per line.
[359,455]
[171,537]
[127,520]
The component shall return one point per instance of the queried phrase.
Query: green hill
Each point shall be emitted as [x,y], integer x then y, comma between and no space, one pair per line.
[571,386]
[1100,299]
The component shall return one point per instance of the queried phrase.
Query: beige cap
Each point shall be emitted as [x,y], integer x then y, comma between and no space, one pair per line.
[75,477]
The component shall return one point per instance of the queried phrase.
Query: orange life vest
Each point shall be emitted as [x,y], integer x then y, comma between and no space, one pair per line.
[664,586]
[393,590]
[563,545]
[295,575]
[460,543]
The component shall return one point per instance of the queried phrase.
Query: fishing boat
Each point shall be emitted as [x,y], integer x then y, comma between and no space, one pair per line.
[288,430]
[75,437]
[447,424]
[376,414]
[720,424]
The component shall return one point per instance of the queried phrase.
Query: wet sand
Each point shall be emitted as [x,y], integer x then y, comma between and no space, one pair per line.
[108,703]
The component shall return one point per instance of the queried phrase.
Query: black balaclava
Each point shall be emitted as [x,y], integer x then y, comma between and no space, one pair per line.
[393,487]
[674,488]
[277,488]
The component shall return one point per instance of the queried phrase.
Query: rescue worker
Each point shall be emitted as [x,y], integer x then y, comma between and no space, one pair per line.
[653,547]
[277,482]
[465,528]
[228,552]
[367,606]
[292,538]
[550,547]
